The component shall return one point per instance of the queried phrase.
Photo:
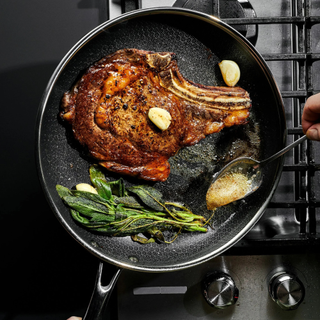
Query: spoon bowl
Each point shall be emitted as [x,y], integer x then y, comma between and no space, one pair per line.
[250,169]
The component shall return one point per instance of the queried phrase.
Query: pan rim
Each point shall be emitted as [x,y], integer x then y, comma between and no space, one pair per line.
[60,67]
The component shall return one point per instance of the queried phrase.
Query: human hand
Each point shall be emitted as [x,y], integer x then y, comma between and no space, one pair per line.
[311,117]
[74,318]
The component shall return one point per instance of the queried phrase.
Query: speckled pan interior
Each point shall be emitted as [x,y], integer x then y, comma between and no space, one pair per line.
[199,42]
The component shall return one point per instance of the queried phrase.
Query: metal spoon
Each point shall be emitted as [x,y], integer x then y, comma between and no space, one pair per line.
[251,168]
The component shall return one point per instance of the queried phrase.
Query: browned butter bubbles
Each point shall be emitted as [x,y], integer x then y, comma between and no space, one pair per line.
[230,187]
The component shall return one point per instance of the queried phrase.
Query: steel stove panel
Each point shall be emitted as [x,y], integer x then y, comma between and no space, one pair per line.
[179,295]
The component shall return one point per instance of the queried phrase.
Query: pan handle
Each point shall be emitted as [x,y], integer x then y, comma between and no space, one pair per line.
[100,295]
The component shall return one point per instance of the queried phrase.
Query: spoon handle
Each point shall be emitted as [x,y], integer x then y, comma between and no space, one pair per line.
[283,151]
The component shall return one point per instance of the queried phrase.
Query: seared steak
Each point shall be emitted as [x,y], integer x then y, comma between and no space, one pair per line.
[108,110]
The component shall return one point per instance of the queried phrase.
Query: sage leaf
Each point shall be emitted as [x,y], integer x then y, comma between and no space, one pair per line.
[128,201]
[63,191]
[156,233]
[120,216]
[103,188]
[76,216]
[97,219]
[149,196]
[99,181]
[85,206]
[89,195]
[118,188]
[96,173]
[142,240]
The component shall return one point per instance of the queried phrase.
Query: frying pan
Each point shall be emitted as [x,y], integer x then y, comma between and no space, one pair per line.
[200,41]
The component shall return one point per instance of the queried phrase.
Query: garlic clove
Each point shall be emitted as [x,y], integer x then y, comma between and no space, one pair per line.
[160,117]
[86,187]
[230,72]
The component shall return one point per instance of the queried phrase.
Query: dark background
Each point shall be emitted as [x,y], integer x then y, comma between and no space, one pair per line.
[44,273]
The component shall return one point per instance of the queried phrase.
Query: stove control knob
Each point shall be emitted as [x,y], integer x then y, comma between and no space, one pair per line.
[286,290]
[219,290]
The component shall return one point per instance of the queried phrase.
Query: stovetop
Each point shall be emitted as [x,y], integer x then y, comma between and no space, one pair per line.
[47,275]
[180,296]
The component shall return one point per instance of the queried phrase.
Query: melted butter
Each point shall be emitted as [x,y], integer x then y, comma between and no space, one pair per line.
[230,187]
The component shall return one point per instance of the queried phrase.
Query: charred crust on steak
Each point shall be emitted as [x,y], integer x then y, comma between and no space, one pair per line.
[108,111]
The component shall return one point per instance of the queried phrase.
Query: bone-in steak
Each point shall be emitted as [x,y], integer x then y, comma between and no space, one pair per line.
[108,110]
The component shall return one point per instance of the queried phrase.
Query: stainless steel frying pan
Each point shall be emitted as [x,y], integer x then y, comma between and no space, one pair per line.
[200,42]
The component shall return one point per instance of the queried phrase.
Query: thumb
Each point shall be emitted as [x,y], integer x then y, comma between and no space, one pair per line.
[313,132]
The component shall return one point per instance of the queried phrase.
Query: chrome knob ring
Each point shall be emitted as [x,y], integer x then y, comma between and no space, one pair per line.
[286,290]
[220,290]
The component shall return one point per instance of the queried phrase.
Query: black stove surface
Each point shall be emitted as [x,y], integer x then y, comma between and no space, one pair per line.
[45,274]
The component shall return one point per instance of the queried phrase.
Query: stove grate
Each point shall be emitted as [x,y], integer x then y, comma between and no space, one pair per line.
[304,227]
[304,167]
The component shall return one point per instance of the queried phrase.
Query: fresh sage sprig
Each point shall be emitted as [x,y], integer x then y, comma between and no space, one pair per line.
[119,211]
